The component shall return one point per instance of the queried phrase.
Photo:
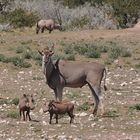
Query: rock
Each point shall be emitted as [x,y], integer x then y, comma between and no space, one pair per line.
[123,84]
[44,122]
[41,111]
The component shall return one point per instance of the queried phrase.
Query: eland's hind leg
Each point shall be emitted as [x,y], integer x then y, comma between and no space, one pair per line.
[95,97]
[97,89]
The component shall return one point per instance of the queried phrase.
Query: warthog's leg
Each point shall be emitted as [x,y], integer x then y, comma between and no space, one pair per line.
[23,112]
[28,114]
[71,116]
[51,115]
[20,114]
[56,118]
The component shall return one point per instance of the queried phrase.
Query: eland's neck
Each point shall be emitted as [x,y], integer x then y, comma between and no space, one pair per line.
[47,69]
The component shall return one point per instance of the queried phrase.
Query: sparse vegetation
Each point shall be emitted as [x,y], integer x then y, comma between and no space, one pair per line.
[12,114]
[135,107]
[20,49]
[19,62]
[4,101]
[111,113]
[15,101]
[83,107]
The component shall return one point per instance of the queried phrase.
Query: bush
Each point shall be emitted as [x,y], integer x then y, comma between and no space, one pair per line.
[79,22]
[36,56]
[125,53]
[27,54]
[135,107]
[20,49]
[83,107]
[80,48]
[2,57]
[91,53]
[19,62]
[12,114]
[4,101]
[111,113]
[69,57]
[115,52]
[68,49]
[15,101]
[20,18]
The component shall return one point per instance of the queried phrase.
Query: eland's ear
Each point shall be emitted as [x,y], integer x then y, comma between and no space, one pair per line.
[51,53]
[40,52]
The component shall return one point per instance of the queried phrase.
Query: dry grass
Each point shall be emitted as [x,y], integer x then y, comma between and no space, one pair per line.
[123,88]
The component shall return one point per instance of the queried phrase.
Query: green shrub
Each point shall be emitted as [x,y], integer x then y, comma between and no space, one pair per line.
[70,57]
[79,22]
[4,101]
[111,113]
[68,49]
[19,62]
[36,56]
[137,66]
[125,53]
[20,49]
[2,57]
[83,107]
[20,18]
[104,49]
[12,114]
[27,54]
[108,61]
[91,53]
[135,107]
[15,101]
[80,48]
[37,78]
[115,52]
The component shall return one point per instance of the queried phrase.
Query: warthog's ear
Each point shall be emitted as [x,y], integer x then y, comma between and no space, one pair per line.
[40,52]
[24,95]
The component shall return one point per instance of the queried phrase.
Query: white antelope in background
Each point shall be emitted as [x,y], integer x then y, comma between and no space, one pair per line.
[49,24]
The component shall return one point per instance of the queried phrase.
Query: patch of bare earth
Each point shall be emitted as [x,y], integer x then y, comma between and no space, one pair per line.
[123,91]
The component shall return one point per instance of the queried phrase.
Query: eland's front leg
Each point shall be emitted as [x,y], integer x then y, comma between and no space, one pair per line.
[58,94]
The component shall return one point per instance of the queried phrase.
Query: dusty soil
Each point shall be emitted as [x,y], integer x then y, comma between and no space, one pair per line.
[123,92]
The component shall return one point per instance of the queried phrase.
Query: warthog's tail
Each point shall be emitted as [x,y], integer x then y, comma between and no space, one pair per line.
[105,73]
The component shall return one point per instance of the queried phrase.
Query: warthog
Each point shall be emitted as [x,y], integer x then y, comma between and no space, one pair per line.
[25,105]
[55,107]
[47,24]
[63,73]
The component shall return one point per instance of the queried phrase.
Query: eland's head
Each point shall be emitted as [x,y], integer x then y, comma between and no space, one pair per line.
[46,54]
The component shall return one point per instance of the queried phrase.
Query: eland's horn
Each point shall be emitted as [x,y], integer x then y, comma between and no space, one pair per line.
[40,52]
[52,47]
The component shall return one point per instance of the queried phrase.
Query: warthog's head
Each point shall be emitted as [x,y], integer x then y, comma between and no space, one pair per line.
[29,101]
[48,106]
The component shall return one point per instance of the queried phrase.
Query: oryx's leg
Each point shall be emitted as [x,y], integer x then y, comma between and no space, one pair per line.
[50,30]
[37,30]
[42,29]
